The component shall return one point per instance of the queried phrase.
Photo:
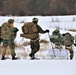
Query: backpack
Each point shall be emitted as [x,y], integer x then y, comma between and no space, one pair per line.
[67,40]
[29,30]
[6,31]
[56,37]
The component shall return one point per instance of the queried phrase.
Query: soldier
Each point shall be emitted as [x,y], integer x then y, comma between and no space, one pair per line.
[68,41]
[56,38]
[8,34]
[35,45]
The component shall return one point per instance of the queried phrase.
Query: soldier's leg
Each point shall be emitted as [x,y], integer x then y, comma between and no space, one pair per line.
[71,54]
[12,48]
[5,44]
[35,48]
[70,50]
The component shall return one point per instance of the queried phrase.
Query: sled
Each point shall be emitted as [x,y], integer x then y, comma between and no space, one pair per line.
[60,54]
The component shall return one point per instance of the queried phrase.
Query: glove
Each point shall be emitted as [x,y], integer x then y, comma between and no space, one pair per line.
[47,31]
[15,29]
[74,44]
[63,34]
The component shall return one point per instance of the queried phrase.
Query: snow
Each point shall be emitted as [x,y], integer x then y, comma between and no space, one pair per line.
[45,66]
[37,67]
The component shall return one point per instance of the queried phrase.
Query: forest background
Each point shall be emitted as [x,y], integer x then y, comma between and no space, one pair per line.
[37,7]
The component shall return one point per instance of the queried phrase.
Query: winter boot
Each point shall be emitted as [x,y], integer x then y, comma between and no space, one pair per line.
[32,56]
[71,57]
[3,58]
[14,58]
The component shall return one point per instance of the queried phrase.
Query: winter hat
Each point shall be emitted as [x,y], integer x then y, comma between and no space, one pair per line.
[35,19]
[10,20]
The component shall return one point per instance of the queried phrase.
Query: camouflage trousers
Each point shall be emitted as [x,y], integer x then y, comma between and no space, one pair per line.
[34,46]
[70,50]
[11,44]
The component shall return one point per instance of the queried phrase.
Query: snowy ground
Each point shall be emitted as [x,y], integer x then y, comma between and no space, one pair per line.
[37,67]
[47,65]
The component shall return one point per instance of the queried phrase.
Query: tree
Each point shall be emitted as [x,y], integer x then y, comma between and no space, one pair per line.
[38,7]
[1,4]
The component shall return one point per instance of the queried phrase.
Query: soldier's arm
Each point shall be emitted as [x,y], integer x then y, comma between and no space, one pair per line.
[40,30]
[15,29]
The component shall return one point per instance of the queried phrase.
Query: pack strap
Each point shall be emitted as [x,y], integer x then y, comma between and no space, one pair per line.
[36,39]
[68,47]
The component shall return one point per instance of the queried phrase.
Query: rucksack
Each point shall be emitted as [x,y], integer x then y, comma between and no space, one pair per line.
[6,31]
[29,30]
[67,39]
[56,37]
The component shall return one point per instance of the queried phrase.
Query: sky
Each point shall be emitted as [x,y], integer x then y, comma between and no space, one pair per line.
[43,66]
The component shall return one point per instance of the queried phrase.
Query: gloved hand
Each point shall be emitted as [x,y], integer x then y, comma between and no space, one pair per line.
[74,44]
[47,31]
[63,34]
[15,29]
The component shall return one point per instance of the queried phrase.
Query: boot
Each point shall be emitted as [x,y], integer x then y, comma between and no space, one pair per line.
[32,56]
[3,58]
[71,57]
[14,58]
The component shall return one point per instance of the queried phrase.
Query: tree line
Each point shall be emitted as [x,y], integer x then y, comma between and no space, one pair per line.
[38,7]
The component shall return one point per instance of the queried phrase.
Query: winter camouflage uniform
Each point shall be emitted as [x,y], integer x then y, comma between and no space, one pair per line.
[35,42]
[56,39]
[68,41]
[8,34]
